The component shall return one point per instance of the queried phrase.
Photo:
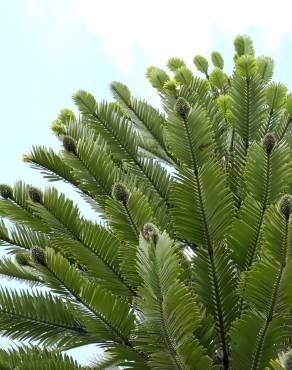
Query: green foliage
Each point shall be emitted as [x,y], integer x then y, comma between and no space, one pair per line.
[169,312]
[157,77]
[188,264]
[246,66]
[175,63]
[6,191]
[183,76]
[217,78]
[265,68]
[289,104]
[264,327]
[32,358]
[217,59]
[201,63]
[243,45]
[275,95]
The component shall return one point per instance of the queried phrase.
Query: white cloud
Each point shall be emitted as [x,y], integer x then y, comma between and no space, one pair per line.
[161,29]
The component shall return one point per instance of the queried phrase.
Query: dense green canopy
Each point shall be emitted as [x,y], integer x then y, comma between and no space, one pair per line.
[188,264]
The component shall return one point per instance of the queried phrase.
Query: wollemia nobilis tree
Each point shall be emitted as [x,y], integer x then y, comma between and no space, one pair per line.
[191,265]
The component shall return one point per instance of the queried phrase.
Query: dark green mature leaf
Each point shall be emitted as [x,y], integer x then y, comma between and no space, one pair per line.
[97,250]
[266,325]
[148,120]
[245,235]
[94,167]
[266,179]
[110,317]
[50,164]
[40,317]
[12,270]
[168,312]
[127,220]
[207,199]
[208,171]
[248,108]
[32,358]
[19,209]
[191,138]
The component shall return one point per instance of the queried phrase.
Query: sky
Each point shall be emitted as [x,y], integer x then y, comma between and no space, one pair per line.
[52,48]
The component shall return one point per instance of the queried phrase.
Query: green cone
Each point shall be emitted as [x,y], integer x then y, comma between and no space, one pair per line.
[120,192]
[182,107]
[150,233]
[269,142]
[69,144]
[38,255]
[286,205]
[35,194]
[6,191]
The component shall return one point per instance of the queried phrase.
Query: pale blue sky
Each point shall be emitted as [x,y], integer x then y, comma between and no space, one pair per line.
[44,60]
[51,48]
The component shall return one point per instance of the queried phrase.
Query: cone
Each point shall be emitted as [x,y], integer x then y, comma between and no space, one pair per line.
[35,194]
[182,107]
[6,191]
[69,144]
[286,205]
[120,192]
[269,142]
[150,233]
[38,255]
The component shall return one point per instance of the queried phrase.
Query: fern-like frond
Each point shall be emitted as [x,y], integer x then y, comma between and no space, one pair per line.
[33,358]
[283,126]
[121,138]
[197,93]
[244,238]
[93,169]
[13,270]
[191,137]
[275,96]
[58,212]
[212,290]
[148,120]
[20,236]
[18,209]
[40,317]
[266,179]
[214,281]
[51,166]
[205,196]
[266,293]
[103,307]
[266,175]
[97,251]
[167,311]
[128,219]
[248,108]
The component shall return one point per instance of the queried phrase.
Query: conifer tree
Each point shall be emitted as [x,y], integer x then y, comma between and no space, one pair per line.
[188,264]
